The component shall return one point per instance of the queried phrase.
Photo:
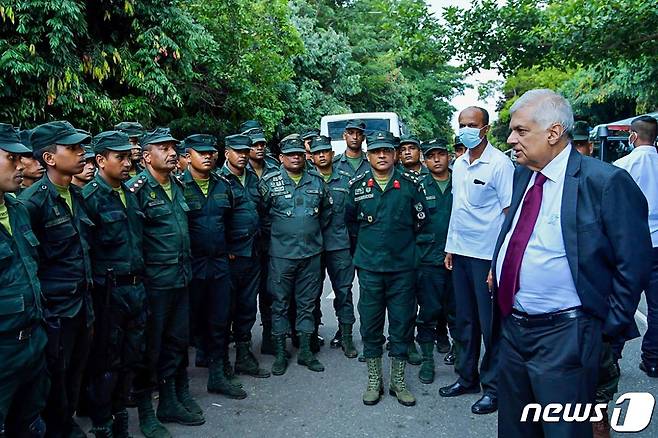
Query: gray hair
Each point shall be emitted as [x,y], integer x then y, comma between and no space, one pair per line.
[549,108]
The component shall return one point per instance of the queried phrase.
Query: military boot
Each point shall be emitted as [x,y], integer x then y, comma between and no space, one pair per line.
[229,372]
[246,363]
[347,343]
[170,410]
[103,430]
[426,373]
[267,346]
[120,424]
[218,383]
[280,361]
[148,422]
[413,357]
[183,394]
[375,388]
[398,386]
[305,356]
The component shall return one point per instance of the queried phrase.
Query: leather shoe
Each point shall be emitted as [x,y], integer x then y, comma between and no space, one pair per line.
[458,389]
[486,405]
[649,370]
[337,342]
[449,358]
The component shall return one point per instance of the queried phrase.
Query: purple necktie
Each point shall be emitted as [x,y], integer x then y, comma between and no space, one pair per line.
[509,276]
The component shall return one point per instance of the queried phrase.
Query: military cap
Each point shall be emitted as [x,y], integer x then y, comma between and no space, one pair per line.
[580,131]
[158,135]
[238,142]
[256,135]
[24,135]
[89,152]
[10,142]
[117,141]
[133,129]
[249,125]
[409,139]
[355,124]
[458,142]
[200,142]
[320,143]
[88,134]
[434,144]
[292,144]
[60,132]
[308,135]
[380,140]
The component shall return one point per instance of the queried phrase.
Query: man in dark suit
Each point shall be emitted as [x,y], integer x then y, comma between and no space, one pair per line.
[557,309]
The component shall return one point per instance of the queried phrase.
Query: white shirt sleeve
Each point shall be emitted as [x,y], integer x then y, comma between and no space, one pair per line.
[504,178]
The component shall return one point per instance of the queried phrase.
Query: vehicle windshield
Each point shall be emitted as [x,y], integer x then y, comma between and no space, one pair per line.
[336,128]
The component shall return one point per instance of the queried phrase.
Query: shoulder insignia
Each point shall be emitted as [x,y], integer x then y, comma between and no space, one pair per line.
[136,183]
[411,177]
[357,178]
[271,175]
[178,180]
[222,177]
[89,189]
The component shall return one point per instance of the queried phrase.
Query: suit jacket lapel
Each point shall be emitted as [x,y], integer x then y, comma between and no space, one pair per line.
[568,218]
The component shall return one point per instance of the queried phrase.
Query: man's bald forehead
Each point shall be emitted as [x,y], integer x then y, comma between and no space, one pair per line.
[481,114]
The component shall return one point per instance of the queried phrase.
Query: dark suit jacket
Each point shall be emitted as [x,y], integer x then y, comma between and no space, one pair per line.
[604,220]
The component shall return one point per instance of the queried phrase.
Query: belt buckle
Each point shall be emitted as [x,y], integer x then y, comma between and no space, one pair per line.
[24,334]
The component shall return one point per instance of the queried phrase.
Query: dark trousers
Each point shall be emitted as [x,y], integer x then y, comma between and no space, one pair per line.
[474,309]
[299,277]
[264,295]
[210,303]
[381,293]
[114,360]
[317,312]
[435,299]
[608,380]
[339,268]
[245,280]
[167,336]
[69,342]
[650,340]
[553,363]
[24,381]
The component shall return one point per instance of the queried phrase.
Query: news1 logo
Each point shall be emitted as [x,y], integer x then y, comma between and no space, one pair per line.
[638,412]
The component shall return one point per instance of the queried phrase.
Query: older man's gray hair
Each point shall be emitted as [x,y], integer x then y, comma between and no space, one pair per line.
[548,107]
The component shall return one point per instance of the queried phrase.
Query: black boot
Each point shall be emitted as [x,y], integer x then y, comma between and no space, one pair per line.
[266,346]
[246,362]
[120,424]
[170,410]
[218,383]
[184,396]
[280,361]
[148,422]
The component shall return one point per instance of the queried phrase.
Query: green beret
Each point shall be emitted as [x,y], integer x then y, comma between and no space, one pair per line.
[320,143]
[158,135]
[380,140]
[580,131]
[201,142]
[117,141]
[10,142]
[292,144]
[434,144]
[61,132]
[409,139]
[238,142]
[355,124]
[310,134]
[133,129]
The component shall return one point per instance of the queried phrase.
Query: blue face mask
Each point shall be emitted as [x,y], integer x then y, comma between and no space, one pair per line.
[470,137]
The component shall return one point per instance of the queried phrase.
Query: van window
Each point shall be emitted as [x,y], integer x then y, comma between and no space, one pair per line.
[337,128]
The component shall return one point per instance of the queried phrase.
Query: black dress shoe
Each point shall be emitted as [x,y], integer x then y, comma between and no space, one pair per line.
[486,405]
[336,342]
[649,370]
[458,389]
[449,359]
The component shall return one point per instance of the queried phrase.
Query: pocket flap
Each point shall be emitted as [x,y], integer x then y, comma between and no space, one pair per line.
[5,250]
[112,216]
[31,238]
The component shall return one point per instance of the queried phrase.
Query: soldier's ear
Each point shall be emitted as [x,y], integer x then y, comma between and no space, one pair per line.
[49,158]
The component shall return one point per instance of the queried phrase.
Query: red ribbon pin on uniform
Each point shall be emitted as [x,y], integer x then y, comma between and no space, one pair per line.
[371,182]
[396,184]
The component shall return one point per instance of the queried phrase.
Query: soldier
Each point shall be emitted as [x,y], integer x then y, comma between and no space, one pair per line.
[87,174]
[183,161]
[24,380]
[382,203]
[410,155]
[254,130]
[167,275]
[459,149]
[580,138]
[33,170]
[119,296]
[353,161]
[307,138]
[434,288]
[336,257]
[298,208]
[134,130]
[60,222]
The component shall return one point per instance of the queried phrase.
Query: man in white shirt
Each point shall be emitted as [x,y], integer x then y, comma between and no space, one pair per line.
[642,164]
[482,191]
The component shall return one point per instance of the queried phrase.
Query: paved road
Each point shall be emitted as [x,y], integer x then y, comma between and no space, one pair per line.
[306,404]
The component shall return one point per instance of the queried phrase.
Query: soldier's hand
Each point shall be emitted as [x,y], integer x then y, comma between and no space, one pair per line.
[490,281]
[231,256]
[448,261]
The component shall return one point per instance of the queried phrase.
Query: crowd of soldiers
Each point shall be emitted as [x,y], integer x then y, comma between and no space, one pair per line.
[121,250]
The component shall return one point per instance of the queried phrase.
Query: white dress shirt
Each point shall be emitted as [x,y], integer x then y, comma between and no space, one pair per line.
[480,190]
[642,164]
[545,281]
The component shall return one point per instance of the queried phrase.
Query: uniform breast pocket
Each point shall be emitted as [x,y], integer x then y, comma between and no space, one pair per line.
[312,201]
[57,235]
[114,226]
[32,242]
[6,254]
[480,193]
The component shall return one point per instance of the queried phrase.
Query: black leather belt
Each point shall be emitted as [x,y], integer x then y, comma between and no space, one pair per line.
[542,319]
[20,335]
[128,280]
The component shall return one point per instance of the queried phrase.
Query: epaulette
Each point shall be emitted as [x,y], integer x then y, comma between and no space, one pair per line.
[357,178]
[411,177]
[89,189]
[337,158]
[178,179]
[34,194]
[269,176]
[135,184]
[223,178]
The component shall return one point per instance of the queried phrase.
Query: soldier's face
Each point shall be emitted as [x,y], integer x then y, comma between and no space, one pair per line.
[88,171]
[293,162]
[11,171]
[257,151]
[116,165]
[238,159]
[202,161]
[382,160]
[307,147]
[33,169]
[162,156]
[353,138]
[409,154]
[323,159]
[584,147]
[67,159]
[459,151]
[136,151]
[437,162]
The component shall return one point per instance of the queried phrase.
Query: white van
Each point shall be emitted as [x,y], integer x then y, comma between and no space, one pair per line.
[334,125]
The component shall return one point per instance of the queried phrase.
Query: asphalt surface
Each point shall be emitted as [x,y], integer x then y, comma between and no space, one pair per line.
[303,403]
